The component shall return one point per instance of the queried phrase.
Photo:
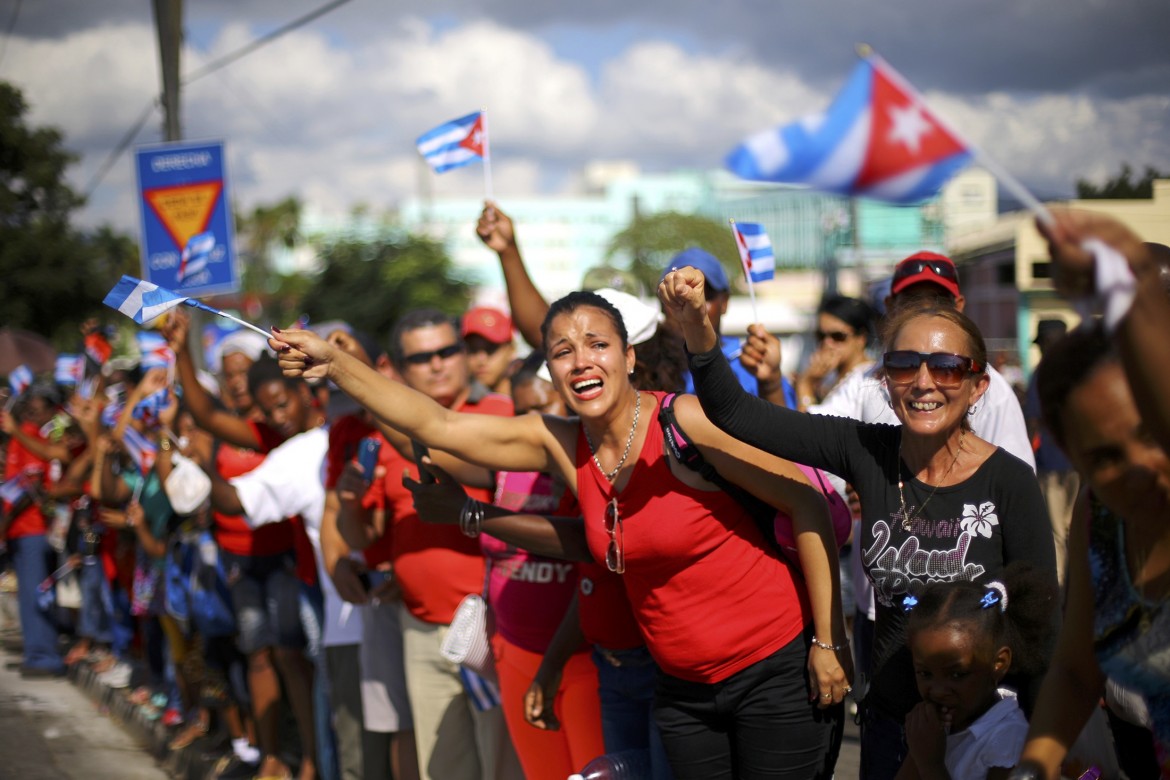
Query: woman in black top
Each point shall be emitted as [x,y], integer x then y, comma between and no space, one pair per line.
[938,503]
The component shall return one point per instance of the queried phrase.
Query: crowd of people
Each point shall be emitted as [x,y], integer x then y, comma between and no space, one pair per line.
[673,550]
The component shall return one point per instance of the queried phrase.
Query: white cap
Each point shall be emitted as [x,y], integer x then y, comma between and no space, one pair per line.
[641,318]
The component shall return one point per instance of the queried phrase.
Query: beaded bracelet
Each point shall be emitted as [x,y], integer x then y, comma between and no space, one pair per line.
[827,646]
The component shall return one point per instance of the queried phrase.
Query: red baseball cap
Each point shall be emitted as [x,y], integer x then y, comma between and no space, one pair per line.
[492,324]
[926,267]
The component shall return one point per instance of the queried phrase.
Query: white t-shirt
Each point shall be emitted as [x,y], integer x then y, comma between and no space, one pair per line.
[996,739]
[291,481]
[998,417]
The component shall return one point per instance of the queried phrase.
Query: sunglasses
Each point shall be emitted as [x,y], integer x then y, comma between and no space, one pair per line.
[912,267]
[838,336]
[424,358]
[615,554]
[945,369]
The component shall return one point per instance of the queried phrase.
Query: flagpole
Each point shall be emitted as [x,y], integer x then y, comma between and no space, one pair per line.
[1011,183]
[487,157]
[747,272]
[225,315]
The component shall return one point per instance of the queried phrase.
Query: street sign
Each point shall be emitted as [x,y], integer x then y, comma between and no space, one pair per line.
[187,233]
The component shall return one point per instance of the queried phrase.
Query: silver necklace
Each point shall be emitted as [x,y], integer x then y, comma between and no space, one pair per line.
[908,519]
[629,441]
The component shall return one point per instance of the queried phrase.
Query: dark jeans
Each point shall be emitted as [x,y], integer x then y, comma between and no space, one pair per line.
[31,560]
[883,746]
[757,723]
[97,609]
[266,597]
[627,698]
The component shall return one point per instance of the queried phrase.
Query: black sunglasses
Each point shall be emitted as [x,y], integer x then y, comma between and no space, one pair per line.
[838,336]
[947,370]
[423,358]
[912,267]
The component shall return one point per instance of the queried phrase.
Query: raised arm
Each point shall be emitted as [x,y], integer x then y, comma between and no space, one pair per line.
[528,306]
[499,443]
[1141,333]
[221,424]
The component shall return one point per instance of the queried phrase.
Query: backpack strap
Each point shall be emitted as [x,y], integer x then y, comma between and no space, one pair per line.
[689,455]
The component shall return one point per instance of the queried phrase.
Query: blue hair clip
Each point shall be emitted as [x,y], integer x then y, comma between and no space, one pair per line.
[996,594]
[990,599]
[909,602]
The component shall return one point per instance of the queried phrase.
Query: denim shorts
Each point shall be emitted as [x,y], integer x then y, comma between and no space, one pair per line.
[266,598]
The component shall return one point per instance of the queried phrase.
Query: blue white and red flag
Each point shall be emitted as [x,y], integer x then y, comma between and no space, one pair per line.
[755,250]
[69,369]
[142,301]
[154,350]
[878,139]
[111,412]
[19,380]
[456,143]
[19,485]
[140,449]
[150,408]
[195,255]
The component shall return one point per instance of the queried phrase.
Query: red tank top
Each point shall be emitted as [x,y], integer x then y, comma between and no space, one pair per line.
[710,595]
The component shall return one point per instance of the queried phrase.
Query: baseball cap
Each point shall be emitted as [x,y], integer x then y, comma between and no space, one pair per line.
[492,324]
[926,267]
[640,318]
[1049,329]
[704,261]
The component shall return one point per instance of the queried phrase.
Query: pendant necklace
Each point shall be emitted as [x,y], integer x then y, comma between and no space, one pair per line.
[629,441]
[908,519]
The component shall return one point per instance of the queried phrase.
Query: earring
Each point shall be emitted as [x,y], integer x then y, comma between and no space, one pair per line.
[971,410]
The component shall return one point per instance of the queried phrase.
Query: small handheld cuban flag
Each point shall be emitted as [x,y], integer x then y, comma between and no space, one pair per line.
[196,255]
[454,144]
[155,350]
[19,485]
[19,380]
[111,412]
[69,369]
[145,302]
[755,250]
[140,449]
[149,408]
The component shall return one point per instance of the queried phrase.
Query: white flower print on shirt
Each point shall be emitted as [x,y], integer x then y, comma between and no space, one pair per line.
[979,521]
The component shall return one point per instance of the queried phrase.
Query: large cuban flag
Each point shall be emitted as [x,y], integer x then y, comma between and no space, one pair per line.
[455,144]
[755,250]
[878,139]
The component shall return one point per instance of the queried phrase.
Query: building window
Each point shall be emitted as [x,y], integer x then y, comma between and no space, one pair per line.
[1042,270]
[1005,274]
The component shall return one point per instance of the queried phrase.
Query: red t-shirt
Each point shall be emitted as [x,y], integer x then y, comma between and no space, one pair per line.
[604,611]
[30,521]
[232,532]
[709,594]
[436,565]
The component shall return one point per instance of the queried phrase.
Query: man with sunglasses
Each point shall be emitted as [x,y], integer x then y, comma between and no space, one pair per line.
[435,566]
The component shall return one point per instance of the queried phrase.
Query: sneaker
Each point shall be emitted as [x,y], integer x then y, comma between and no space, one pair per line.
[118,675]
[172,717]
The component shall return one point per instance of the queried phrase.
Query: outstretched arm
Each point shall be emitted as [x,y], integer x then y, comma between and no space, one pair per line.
[501,443]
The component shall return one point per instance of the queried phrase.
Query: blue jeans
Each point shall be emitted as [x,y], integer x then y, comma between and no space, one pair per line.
[312,620]
[96,613]
[30,558]
[627,698]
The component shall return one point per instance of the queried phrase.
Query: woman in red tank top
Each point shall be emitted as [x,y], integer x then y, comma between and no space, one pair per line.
[754,657]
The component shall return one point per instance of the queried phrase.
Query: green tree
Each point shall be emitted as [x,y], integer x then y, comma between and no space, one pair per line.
[371,284]
[651,241]
[54,276]
[1123,186]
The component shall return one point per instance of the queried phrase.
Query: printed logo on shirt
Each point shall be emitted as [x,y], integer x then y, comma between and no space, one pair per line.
[540,572]
[896,570]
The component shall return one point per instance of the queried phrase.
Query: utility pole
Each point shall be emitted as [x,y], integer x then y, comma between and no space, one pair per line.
[168,20]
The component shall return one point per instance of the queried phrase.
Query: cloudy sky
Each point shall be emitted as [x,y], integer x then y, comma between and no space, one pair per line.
[1053,89]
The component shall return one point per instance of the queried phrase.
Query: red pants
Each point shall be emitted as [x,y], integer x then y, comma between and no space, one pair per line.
[550,755]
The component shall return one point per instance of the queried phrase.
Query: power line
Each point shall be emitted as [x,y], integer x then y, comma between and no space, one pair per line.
[206,70]
[8,32]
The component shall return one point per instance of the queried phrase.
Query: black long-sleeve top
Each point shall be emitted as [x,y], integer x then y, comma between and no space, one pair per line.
[971,530]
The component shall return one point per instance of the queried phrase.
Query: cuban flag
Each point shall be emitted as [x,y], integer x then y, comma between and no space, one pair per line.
[140,449]
[111,412]
[142,301]
[154,350]
[195,255]
[755,250]
[149,408]
[19,380]
[69,369]
[878,139]
[98,348]
[456,143]
[19,485]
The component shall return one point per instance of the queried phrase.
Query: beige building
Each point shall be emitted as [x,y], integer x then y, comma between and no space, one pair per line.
[1006,274]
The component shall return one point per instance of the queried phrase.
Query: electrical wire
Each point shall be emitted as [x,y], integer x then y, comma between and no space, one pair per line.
[206,70]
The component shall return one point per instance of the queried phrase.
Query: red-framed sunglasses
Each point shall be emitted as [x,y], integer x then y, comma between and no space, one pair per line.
[615,554]
[947,370]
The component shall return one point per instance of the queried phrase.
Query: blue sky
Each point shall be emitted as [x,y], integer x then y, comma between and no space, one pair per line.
[1053,89]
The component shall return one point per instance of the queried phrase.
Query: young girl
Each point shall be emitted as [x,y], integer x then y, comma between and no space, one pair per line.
[964,637]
